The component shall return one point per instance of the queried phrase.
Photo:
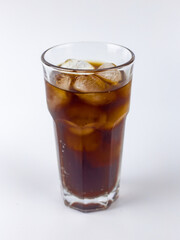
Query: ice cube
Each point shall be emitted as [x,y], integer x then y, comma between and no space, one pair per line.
[76,64]
[92,141]
[73,141]
[112,76]
[79,130]
[116,115]
[98,99]
[85,142]
[63,81]
[56,98]
[92,84]
[83,119]
[89,83]
[125,91]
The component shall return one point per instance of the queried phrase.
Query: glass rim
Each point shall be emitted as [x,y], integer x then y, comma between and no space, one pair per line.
[44,61]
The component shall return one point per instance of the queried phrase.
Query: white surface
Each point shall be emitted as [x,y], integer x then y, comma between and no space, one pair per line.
[30,202]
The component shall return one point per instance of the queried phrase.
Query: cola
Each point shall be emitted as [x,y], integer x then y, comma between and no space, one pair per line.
[89,113]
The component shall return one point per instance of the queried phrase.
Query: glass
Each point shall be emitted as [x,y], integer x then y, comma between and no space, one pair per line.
[89,126]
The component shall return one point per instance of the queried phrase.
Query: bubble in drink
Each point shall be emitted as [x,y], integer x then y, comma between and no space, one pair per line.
[112,76]
[76,64]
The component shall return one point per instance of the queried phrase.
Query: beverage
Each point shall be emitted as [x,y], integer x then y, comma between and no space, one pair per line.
[89,110]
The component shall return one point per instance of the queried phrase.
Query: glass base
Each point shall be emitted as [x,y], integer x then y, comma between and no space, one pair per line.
[91,204]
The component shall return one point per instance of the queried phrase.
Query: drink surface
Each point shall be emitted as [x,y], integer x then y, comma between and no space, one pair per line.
[89,112]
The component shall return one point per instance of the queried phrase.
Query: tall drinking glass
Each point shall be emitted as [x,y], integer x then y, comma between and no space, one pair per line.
[89,102]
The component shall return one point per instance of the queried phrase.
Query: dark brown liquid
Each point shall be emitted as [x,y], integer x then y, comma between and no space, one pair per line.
[89,137]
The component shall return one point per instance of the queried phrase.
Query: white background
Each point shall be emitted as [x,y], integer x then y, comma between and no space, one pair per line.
[31,206]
